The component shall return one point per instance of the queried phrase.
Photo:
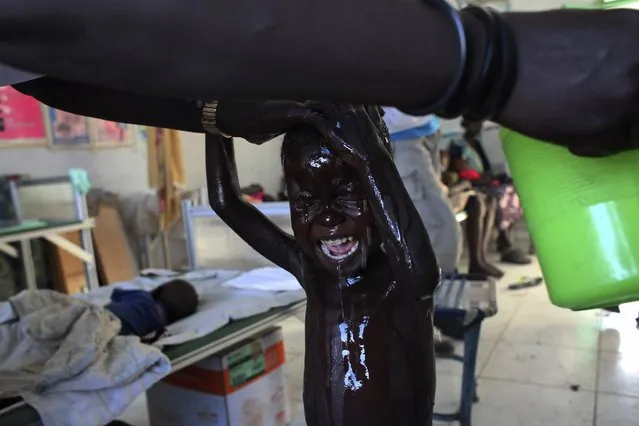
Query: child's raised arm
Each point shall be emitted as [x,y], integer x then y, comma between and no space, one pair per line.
[359,136]
[243,218]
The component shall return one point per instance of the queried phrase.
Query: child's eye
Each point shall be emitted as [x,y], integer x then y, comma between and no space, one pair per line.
[304,203]
[300,204]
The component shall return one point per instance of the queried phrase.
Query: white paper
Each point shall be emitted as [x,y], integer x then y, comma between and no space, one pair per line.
[265,279]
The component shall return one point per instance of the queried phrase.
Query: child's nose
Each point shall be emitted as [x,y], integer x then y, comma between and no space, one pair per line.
[329,218]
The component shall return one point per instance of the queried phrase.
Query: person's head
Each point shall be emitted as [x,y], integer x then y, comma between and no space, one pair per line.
[472,129]
[178,298]
[331,219]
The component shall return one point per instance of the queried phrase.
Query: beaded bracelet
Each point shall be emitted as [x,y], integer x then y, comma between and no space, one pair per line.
[488,78]
[466,97]
[444,7]
[501,78]
[456,105]
[497,75]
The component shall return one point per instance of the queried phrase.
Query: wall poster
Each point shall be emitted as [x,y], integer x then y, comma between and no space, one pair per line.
[109,134]
[68,131]
[22,120]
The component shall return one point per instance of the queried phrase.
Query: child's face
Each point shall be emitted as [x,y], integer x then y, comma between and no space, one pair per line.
[331,220]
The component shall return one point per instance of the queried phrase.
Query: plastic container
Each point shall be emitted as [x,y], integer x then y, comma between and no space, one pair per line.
[583,217]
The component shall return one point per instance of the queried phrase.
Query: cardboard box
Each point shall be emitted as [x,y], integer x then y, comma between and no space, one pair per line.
[242,386]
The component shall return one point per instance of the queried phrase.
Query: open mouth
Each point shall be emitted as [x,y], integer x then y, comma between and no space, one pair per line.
[339,248]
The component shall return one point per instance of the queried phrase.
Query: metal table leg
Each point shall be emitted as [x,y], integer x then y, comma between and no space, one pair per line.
[468,391]
[468,386]
[27,264]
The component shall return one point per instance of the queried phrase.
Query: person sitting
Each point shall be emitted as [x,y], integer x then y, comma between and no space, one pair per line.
[469,160]
[147,314]
[480,222]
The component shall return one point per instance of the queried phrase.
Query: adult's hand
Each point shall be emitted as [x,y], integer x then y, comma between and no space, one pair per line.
[259,122]
[578,82]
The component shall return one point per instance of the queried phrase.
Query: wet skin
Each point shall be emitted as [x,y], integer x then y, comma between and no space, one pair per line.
[366,264]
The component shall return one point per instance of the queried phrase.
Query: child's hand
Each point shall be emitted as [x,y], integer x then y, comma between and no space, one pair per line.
[356,133]
[259,122]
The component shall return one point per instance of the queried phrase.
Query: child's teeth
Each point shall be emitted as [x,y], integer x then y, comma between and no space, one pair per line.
[338,241]
[327,252]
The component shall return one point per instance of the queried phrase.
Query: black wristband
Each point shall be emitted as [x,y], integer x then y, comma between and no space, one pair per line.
[444,7]
[468,98]
[456,106]
[477,107]
[503,68]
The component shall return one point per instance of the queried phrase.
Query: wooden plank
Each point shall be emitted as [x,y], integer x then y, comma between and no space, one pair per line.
[115,259]
[70,247]
[69,275]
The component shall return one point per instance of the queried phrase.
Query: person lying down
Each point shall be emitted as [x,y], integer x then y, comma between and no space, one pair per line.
[147,314]
[143,314]
[361,253]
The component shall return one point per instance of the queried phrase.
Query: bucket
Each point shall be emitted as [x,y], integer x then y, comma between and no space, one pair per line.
[583,217]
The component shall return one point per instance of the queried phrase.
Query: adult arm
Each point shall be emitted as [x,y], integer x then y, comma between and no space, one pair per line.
[578,70]
[243,218]
[115,105]
[243,49]
[257,122]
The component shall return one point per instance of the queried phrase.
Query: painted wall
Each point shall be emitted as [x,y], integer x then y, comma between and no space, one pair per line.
[255,164]
[115,169]
[124,170]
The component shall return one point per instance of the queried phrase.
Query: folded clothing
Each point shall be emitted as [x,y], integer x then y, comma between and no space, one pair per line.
[59,351]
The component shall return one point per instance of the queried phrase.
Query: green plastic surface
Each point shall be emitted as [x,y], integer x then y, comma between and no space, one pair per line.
[27,225]
[583,217]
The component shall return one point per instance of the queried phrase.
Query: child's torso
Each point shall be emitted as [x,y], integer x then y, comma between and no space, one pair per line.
[369,361]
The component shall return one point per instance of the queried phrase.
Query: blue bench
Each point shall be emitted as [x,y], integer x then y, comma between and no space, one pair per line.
[469,300]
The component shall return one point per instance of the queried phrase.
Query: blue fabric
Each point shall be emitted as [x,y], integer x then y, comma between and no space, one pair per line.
[137,311]
[427,129]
